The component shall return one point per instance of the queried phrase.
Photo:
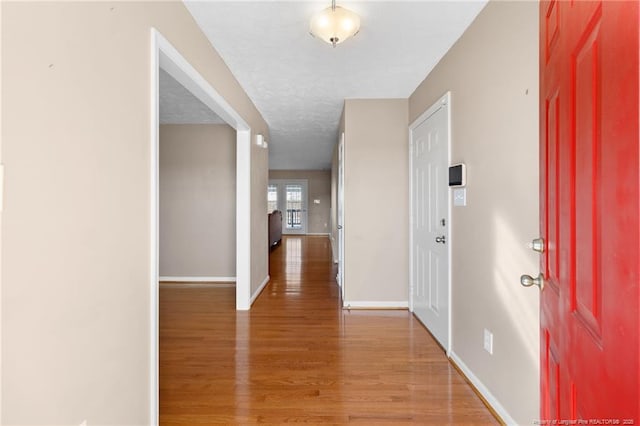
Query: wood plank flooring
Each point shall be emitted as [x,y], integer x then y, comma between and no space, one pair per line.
[298,357]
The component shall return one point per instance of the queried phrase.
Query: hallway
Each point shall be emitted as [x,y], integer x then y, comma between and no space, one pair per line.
[298,357]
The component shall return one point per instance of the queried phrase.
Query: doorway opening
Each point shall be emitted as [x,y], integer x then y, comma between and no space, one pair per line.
[166,58]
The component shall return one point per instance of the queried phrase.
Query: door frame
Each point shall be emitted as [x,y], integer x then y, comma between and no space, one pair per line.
[164,55]
[340,216]
[444,100]
[281,183]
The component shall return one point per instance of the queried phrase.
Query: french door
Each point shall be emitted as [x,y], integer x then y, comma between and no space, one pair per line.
[589,319]
[290,197]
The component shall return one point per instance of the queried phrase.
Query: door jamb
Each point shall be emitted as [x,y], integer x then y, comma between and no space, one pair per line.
[444,100]
[340,216]
[164,55]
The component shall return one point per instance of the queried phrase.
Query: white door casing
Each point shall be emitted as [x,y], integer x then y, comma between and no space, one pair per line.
[164,55]
[340,277]
[429,221]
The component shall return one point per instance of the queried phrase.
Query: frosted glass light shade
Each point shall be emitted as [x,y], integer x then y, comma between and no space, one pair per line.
[335,25]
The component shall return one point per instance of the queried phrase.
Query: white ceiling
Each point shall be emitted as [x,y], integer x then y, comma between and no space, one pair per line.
[179,106]
[299,83]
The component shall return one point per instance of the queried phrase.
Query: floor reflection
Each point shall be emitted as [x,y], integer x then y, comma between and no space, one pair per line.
[293,258]
[297,356]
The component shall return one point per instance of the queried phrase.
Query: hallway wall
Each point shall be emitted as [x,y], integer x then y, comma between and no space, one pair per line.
[197,201]
[76,226]
[492,72]
[376,202]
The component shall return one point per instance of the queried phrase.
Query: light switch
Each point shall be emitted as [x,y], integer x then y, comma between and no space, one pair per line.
[316,201]
[460,197]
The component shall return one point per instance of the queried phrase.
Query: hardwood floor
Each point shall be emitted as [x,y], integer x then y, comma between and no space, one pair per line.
[298,357]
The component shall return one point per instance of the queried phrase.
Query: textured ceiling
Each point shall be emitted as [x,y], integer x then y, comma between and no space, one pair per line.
[299,83]
[179,106]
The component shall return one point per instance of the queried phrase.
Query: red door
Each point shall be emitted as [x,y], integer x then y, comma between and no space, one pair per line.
[589,211]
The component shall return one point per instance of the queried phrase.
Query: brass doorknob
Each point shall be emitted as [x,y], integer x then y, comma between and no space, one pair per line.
[528,281]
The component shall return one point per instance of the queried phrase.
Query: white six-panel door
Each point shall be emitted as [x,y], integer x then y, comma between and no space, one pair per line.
[430,220]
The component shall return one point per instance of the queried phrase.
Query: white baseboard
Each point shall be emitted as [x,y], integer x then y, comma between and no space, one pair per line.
[488,396]
[375,305]
[199,279]
[259,290]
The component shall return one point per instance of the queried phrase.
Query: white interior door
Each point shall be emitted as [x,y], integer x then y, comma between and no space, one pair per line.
[430,220]
[340,277]
[291,199]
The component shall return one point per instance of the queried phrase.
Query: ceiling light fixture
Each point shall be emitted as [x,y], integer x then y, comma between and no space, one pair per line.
[335,24]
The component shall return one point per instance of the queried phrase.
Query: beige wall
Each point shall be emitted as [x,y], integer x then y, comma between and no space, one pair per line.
[376,201]
[197,200]
[492,72]
[76,224]
[318,188]
[1,133]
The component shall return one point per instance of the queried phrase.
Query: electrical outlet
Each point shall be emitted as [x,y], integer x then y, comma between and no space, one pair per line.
[488,341]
